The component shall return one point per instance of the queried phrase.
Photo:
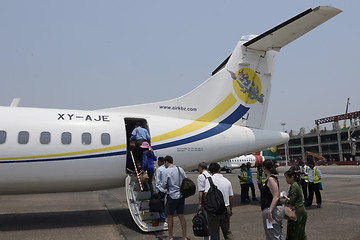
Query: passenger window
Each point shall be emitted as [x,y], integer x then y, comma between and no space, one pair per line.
[66,138]
[45,138]
[105,139]
[23,137]
[2,137]
[86,138]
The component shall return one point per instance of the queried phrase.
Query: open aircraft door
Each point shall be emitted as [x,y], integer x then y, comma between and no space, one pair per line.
[137,198]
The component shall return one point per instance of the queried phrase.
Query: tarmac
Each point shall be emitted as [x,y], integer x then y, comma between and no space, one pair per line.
[104,214]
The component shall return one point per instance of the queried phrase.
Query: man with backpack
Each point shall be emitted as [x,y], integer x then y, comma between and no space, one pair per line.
[219,199]
[175,201]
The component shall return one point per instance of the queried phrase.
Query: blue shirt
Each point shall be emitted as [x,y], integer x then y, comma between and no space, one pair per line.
[148,162]
[249,175]
[140,133]
[173,181]
[160,175]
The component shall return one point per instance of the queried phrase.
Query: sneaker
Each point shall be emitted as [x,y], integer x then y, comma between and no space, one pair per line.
[255,199]
[318,206]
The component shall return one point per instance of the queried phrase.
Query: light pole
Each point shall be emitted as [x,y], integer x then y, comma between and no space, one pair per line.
[286,147]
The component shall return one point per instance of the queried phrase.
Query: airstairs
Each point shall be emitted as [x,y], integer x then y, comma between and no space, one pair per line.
[138,203]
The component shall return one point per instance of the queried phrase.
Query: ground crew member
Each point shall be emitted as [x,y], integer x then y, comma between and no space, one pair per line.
[244,184]
[250,182]
[304,170]
[260,176]
[314,177]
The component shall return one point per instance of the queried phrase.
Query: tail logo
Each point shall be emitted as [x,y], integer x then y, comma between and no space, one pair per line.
[273,149]
[247,86]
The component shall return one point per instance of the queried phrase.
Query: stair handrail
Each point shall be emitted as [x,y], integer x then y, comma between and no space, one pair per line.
[136,170]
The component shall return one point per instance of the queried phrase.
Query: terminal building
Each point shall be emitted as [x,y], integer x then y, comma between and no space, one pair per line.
[341,144]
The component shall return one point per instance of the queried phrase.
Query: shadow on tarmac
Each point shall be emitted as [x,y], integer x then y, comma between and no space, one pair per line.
[68,219]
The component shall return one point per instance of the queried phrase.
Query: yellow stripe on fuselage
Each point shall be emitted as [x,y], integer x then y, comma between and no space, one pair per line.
[117,147]
[199,123]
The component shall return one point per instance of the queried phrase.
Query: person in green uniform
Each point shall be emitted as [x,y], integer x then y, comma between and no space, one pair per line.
[295,229]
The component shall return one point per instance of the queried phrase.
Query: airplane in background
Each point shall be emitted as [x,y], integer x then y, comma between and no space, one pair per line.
[58,150]
[253,159]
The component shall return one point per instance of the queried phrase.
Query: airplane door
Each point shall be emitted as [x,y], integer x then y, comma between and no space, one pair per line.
[130,125]
[138,198]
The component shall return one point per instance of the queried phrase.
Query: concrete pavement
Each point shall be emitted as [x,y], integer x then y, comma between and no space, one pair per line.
[104,214]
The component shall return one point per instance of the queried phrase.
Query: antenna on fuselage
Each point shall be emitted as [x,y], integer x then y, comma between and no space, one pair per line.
[15,102]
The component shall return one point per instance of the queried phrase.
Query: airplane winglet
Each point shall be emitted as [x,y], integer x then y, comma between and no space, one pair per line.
[288,31]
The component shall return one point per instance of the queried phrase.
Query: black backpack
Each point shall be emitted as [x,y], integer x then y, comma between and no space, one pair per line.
[200,225]
[214,200]
[187,187]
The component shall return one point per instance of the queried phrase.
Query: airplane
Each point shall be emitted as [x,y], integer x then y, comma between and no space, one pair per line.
[229,165]
[253,159]
[59,150]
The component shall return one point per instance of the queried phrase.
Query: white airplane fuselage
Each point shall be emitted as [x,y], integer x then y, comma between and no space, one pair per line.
[236,162]
[35,167]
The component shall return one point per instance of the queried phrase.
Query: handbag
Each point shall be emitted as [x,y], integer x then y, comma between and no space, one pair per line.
[156,205]
[290,212]
[321,187]
[187,187]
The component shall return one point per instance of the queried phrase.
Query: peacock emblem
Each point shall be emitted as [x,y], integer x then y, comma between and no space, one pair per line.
[247,86]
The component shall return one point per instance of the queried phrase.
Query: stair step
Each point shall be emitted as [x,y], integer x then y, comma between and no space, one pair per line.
[141,196]
[146,216]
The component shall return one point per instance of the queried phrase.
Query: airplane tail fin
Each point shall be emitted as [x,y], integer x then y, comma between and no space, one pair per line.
[239,89]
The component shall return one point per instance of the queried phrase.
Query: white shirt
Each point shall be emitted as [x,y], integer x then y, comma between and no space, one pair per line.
[303,171]
[311,174]
[223,185]
[201,180]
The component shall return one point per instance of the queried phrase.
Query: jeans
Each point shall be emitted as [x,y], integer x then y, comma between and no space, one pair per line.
[251,186]
[161,196]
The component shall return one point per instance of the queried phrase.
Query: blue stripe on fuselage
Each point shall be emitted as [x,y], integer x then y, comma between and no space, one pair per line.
[221,127]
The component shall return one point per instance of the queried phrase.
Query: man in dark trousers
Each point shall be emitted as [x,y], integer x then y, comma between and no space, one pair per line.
[223,220]
[314,177]
[139,135]
[244,184]
[250,182]
[304,169]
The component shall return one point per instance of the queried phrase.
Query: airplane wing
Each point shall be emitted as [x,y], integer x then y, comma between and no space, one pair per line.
[288,31]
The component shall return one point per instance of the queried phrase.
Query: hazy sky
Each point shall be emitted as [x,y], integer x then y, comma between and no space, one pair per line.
[95,54]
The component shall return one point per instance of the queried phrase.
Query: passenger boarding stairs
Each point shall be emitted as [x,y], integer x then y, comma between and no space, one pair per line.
[138,203]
